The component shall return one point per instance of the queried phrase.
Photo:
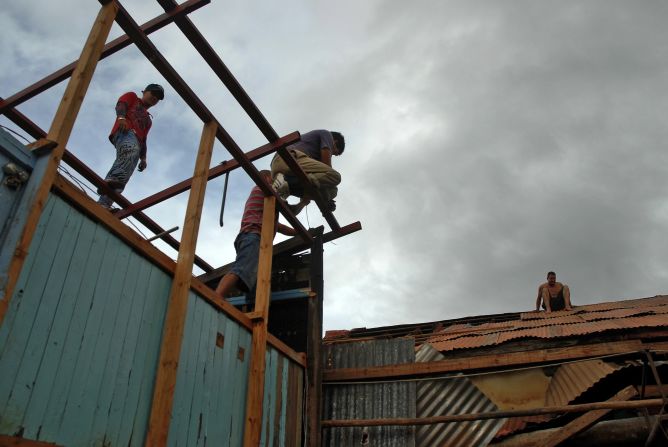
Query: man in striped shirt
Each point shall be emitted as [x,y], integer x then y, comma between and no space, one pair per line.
[243,274]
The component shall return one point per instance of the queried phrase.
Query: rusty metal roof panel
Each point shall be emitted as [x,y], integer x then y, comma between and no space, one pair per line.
[572,379]
[455,395]
[553,331]
[369,401]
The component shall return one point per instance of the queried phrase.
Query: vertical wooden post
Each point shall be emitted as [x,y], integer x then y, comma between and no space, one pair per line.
[313,353]
[255,393]
[60,131]
[172,333]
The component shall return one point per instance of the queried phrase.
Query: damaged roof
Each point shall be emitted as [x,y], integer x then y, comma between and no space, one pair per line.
[483,331]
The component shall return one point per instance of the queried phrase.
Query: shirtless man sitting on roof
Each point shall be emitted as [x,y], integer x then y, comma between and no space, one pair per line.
[553,294]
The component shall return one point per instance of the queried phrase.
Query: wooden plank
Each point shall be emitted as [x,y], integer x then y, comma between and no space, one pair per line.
[227,383]
[8,323]
[48,300]
[60,130]
[185,381]
[175,320]
[45,381]
[214,422]
[82,378]
[481,362]
[256,375]
[314,344]
[587,420]
[31,291]
[97,391]
[281,402]
[207,342]
[241,377]
[11,441]
[65,370]
[155,322]
[117,338]
[125,364]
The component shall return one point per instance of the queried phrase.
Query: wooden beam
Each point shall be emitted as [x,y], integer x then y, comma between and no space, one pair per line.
[60,131]
[11,441]
[223,168]
[288,247]
[82,202]
[579,408]
[481,362]
[587,420]
[172,333]
[313,346]
[255,392]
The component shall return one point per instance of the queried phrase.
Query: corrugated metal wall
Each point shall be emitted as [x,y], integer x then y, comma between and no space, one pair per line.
[372,401]
[453,395]
[80,343]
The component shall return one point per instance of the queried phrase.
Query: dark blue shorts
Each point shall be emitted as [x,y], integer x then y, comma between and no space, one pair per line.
[245,265]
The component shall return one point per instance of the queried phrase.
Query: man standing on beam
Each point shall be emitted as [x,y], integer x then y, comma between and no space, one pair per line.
[129,137]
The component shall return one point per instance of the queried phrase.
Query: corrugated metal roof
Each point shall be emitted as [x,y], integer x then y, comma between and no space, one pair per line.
[369,401]
[452,396]
[476,332]
[572,379]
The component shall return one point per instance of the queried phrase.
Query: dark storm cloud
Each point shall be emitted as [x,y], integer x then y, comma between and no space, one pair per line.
[487,142]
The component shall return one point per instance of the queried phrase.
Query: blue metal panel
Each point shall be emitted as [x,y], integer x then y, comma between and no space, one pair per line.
[80,342]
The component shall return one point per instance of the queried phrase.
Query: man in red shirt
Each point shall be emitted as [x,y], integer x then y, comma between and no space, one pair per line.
[129,135]
[553,294]
[243,274]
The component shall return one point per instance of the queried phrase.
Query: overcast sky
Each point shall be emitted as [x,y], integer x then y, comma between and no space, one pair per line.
[487,142]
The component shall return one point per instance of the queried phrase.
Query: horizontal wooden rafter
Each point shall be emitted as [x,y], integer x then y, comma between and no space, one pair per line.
[481,362]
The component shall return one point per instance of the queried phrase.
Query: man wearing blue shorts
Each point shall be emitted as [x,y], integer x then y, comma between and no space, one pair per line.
[243,274]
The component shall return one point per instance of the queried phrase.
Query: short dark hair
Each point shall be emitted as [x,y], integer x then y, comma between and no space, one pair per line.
[265,173]
[550,273]
[340,141]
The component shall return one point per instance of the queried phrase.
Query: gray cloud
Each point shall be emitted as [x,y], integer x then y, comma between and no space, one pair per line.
[487,142]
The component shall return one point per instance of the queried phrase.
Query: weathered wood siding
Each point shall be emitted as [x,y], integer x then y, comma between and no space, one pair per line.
[80,343]
[210,395]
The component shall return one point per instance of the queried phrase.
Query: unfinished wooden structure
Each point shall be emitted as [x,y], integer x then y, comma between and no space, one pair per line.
[105,340]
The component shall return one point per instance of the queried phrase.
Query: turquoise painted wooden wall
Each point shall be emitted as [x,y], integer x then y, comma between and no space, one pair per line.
[209,401]
[80,343]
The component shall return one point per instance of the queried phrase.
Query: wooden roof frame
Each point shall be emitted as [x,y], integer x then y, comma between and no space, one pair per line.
[177,13]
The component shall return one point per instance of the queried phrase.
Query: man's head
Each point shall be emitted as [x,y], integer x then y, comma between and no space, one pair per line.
[152,94]
[339,143]
[266,174]
[551,278]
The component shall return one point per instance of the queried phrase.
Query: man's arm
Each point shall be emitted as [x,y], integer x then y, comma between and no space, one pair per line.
[539,297]
[284,229]
[326,156]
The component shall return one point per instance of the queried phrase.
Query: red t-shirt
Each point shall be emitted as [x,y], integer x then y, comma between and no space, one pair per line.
[251,221]
[136,116]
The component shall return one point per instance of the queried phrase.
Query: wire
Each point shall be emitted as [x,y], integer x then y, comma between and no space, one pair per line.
[16,133]
[307,220]
[135,227]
